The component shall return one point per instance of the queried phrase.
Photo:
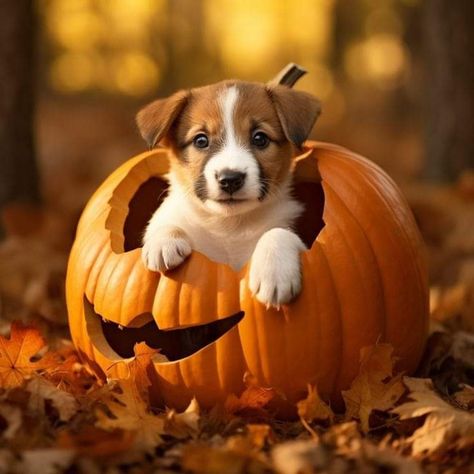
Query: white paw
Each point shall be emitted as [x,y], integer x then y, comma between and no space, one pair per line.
[165,252]
[275,268]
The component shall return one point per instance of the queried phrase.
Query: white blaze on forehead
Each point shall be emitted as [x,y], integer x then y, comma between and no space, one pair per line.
[227,101]
[234,153]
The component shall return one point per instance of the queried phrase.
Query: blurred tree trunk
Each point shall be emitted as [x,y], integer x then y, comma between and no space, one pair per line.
[19,183]
[449,79]
[191,61]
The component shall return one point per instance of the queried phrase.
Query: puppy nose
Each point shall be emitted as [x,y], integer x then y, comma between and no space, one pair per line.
[230,181]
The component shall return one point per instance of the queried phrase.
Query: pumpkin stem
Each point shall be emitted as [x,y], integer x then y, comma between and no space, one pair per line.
[288,76]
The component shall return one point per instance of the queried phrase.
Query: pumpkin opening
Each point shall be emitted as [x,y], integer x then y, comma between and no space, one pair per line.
[143,204]
[152,192]
[174,344]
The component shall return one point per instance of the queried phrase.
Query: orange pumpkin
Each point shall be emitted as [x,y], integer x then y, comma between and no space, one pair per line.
[364,280]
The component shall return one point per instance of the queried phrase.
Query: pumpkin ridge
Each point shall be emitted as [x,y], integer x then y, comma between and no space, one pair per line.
[314,306]
[353,321]
[412,241]
[375,267]
[382,176]
[341,322]
[94,269]
[414,263]
[100,293]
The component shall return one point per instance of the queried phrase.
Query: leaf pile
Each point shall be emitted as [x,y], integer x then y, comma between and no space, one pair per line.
[53,411]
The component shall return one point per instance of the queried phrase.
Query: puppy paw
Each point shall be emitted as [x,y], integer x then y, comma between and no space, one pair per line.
[275,268]
[166,251]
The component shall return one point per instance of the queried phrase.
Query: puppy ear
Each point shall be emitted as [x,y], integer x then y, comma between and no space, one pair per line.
[297,111]
[155,119]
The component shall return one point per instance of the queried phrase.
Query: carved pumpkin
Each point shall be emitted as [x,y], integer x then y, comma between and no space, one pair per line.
[364,280]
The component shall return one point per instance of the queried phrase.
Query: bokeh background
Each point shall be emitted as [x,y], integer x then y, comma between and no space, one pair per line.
[395,78]
[373,63]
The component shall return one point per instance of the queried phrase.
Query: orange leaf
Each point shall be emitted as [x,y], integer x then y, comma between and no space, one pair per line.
[253,399]
[313,408]
[17,352]
[95,442]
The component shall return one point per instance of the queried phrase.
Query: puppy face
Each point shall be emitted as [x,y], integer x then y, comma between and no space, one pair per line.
[233,141]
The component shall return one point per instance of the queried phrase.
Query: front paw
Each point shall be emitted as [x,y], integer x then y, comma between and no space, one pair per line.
[275,268]
[165,252]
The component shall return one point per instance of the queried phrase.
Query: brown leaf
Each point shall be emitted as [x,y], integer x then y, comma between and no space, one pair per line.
[41,390]
[253,399]
[259,435]
[465,397]
[129,412]
[313,408]
[17,352]
[444,425]
[375,388]
[139,366]
[95,442]
[236,456]
[183,425]
[47,461]
[300,456]
[13,418]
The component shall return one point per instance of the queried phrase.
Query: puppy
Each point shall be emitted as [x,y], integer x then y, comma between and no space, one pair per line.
[231,147]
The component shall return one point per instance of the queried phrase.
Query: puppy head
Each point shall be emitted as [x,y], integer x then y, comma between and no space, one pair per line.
[232,142]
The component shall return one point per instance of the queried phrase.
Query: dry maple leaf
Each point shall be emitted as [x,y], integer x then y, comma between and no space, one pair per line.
[300,456]
[42,390]
[235,456]
[70,374]
[140,365]
[253,400]
[185,424]
[375,388]
[94,442]
[13,418]
[17,352]
[313,408]
[129,412]
[444,425]
[465,397]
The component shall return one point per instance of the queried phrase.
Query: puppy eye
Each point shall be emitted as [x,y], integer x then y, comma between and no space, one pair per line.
[201,141]
[260,139]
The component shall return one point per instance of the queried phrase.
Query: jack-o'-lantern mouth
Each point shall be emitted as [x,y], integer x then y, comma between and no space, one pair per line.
[118,342]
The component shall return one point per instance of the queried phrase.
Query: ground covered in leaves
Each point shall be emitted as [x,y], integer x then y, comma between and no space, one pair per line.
[55,416]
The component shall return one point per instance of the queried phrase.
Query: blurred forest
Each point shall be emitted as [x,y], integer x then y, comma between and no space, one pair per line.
[395,77]
[394,84]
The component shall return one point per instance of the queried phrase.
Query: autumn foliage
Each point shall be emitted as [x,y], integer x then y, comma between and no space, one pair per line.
[54,410]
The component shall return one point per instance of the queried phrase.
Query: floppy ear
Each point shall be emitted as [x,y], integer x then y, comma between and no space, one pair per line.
[297,111]
[155,119]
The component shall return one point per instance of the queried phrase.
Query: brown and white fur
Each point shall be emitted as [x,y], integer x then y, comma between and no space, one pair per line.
[250,218]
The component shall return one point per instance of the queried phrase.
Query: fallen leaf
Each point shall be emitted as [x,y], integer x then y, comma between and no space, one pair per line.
[70,374]
[465,397]
[375,388]
[444,425]
[42,390]
[300,456]
[259,435]
[95,442]
[314,408]
[13,418]
[17,352]
[185,424]
[343,437]
[46,461]
[129,412]
[253,400]
[236,456]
